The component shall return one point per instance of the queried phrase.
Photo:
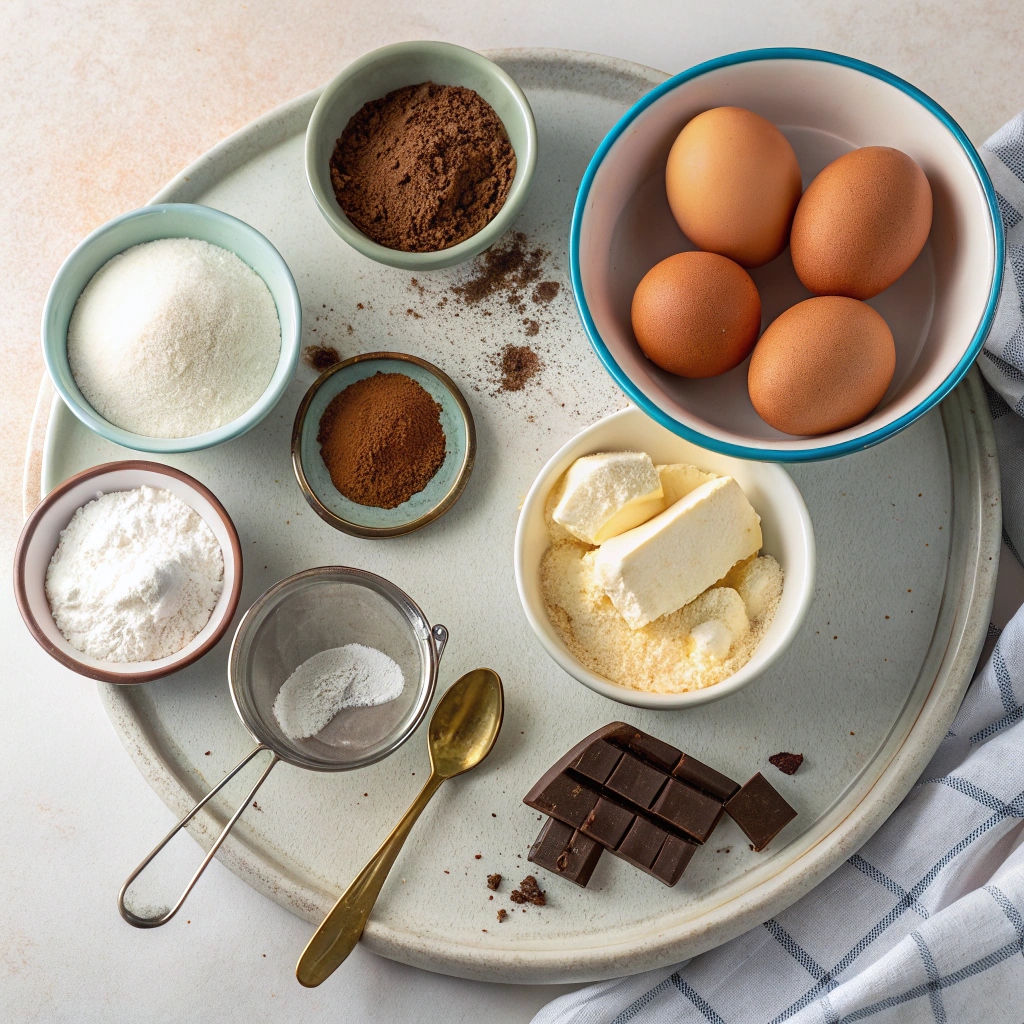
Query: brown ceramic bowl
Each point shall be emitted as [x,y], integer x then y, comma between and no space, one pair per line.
[41,534]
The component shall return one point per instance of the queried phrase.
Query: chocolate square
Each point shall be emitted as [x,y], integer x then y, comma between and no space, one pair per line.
[648,748]
[565,799]
[672,860]
[642,844]
[597,761]
[688,809]
[565,851]
[758,809]
[698,774]
[608,822]
[635,781]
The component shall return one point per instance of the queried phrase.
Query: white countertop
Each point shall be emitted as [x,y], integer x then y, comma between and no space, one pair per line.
[101,104]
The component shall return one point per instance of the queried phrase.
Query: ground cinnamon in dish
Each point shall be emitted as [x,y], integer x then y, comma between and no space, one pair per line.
[424,167]
[381,440]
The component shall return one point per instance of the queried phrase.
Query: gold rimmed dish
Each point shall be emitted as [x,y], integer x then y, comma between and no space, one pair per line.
[422,508]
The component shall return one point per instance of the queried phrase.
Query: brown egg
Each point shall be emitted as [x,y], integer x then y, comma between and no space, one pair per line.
[733,183]
[696,314]
[822,365]
[861,223]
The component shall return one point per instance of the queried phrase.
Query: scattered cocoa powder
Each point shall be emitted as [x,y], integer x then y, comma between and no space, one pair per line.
[517,365]
[423,168]
[381,440]
[532,328]
[545,292]
[508,268]
[320,357]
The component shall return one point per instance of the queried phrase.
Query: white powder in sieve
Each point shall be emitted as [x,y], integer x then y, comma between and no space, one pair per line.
[352,676]
[173,338]
[135,576]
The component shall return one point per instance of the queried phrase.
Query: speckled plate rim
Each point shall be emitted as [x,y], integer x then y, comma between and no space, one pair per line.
[448,499]
[165,666]
[950,662]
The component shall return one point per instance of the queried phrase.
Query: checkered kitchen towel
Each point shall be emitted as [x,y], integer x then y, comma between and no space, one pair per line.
[926,923]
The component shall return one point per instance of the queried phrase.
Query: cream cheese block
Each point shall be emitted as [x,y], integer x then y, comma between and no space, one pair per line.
[607,494]
[678,479]
[666,562]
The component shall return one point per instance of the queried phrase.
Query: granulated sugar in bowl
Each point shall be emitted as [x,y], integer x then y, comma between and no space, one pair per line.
[173,338]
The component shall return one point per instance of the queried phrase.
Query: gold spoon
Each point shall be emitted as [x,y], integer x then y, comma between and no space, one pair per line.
[462,731]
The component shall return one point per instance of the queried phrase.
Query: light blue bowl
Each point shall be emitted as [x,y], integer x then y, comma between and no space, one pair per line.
[168,220]
[441,492]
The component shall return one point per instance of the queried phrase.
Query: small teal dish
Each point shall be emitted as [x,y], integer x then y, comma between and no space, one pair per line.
[169,220]
[441,492]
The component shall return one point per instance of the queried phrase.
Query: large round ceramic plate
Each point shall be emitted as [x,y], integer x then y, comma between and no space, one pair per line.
[907,538]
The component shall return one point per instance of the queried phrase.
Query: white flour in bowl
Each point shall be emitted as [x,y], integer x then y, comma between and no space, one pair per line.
[135,577]
[173,338]
[352,676]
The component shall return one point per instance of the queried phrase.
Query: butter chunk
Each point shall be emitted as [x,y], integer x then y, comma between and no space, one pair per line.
[607,494]
[678,479]
[665,563]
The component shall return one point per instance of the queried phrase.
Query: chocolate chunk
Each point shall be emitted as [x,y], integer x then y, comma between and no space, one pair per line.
[642,844]
[688,810]
[760,811]
[647,748]
[566,852]
[608,822]
[672,860]
[493,881]
[698,774]
[786,763]
[502,914]
[563,798]
[635,781]
[597,761]
[578,860]
[529,892]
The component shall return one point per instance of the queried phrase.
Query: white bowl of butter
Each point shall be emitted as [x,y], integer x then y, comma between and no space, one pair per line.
[661,563]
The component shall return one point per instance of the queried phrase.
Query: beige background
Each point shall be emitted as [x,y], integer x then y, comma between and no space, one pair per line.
[100,104]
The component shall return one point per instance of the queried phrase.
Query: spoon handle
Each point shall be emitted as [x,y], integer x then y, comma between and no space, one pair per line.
[340,931]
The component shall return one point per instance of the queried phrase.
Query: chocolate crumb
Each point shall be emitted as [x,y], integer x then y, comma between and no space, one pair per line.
[518,365]
[320,357]
[493,881]
[207,753]
[477,856]
[502,914]
[529,892]
[545,291]
[532,328]
[359,305]
[786,763]
[490,897]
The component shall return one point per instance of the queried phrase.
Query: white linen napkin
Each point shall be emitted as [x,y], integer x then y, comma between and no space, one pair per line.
[926,922]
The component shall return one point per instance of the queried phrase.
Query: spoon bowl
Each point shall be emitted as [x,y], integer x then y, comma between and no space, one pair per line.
[465,723]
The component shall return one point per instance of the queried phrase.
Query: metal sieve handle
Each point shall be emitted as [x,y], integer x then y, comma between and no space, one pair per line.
[440,637]
[165,916]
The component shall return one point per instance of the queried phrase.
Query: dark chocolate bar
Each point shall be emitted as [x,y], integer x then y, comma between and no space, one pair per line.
[634,795]
[566,852]
[758,809]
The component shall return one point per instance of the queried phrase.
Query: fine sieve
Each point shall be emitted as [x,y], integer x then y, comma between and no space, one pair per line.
[296,618]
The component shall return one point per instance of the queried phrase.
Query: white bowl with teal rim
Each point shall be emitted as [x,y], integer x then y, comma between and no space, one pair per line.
[379,72]
[445,486]
[940,311]
[169,220]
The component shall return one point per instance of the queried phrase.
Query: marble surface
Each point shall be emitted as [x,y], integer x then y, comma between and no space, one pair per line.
[102,103]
